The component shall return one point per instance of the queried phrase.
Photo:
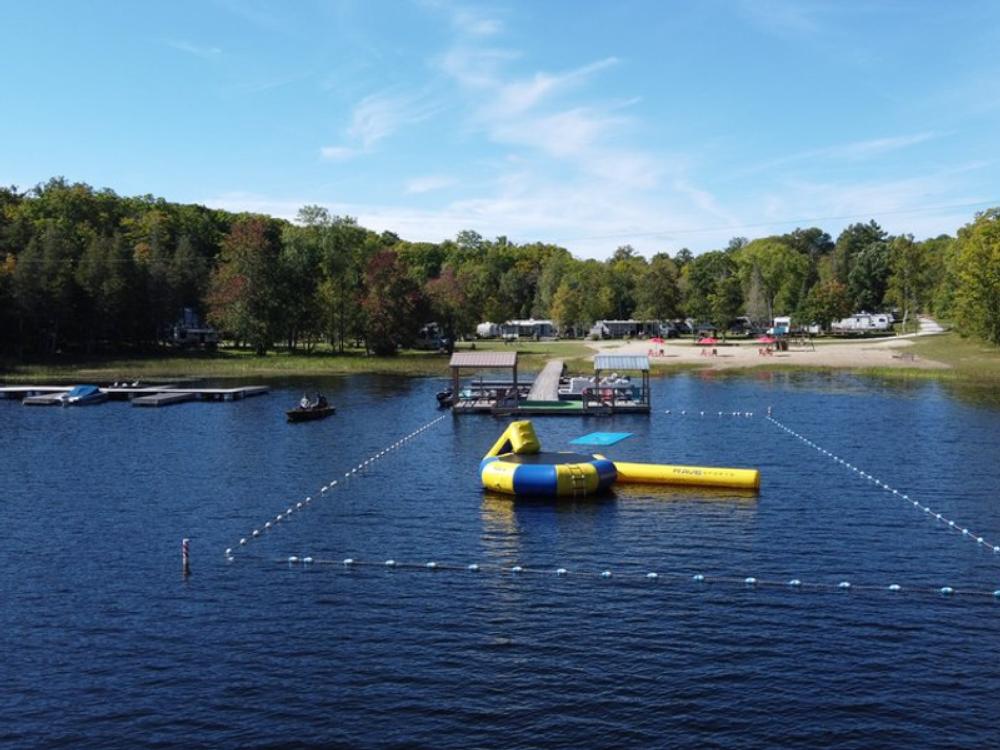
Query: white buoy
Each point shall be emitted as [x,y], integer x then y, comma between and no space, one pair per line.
[605,574]
[795,582]
[432,565]
[255,533]
[698,578]
[307,560]
[473,567]
[750,581]
[894,587]
[243,541]
[651,576]
[229,550]
[267,524]
[947,590]
[844,585]
[390,563]
[293,559]
[348,561]
[561,571]
[298,505]
[516,569]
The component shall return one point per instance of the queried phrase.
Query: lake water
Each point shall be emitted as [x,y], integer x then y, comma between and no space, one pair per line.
[105,644]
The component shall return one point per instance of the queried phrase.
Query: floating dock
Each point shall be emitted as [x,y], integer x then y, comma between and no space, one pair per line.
[152,395]
[543,399]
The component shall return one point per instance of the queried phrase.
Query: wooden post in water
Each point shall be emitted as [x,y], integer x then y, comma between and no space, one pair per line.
[186,556]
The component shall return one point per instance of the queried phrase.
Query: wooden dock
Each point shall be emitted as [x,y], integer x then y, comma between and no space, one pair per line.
[611,395]
[546,385]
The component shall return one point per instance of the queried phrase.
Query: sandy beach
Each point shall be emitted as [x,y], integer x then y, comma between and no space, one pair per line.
[859,353]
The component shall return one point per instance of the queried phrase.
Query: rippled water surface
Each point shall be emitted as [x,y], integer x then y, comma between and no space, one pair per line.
[105,645]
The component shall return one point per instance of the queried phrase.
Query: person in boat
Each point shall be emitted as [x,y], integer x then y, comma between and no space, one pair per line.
[321,401]
[304,401]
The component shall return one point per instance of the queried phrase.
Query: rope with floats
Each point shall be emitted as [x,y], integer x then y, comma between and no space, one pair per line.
[301,505]
[963,531]
[631,577]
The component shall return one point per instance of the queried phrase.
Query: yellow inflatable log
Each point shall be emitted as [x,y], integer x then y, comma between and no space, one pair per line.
[700,476]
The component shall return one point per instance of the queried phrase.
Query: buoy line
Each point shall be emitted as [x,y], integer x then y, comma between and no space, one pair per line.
[306,502]
[708,413]
[963,531]
[632,577]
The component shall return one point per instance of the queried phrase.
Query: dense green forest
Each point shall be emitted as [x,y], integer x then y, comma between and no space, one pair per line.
[89,271]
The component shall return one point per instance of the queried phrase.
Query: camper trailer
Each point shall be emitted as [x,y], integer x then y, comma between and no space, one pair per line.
[487,330]
[863,322]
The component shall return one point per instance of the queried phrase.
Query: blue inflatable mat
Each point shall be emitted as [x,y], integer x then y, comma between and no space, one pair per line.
[601,438]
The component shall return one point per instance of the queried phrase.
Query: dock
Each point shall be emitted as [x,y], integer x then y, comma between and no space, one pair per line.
[546,385]
[611,394]
[163,399]
[140,395]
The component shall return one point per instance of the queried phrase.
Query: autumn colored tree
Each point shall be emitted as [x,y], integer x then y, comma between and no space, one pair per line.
[244,299]
[389,305]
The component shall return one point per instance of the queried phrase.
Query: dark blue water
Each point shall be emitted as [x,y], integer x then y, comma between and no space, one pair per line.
[105,645]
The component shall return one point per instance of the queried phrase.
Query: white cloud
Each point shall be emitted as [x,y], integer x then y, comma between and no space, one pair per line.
[856,151]
[429,183]
[375,118]
[474,23]
[337,153]
[517,96]
[197,50]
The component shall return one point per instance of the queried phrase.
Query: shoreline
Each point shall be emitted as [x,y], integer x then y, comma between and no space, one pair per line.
[942,356]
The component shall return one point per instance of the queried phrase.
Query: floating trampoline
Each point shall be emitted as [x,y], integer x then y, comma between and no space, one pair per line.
[517,465]
[547,474]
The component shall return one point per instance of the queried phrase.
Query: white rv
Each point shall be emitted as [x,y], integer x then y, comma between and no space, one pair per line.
[487,330]
[863,322]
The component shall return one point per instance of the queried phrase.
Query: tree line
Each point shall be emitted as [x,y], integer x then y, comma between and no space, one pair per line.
[88,270]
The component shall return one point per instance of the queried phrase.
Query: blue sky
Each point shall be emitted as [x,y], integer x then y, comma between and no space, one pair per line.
[590,124]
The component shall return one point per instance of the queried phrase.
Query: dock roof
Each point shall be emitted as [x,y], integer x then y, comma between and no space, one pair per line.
[483,359]
[621,362]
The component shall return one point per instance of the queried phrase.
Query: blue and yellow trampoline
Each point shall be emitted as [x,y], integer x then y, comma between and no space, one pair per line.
[547,474]
[516,465]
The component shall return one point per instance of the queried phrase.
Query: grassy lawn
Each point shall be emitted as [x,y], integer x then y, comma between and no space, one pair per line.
[971,359]
[233,363]
[973,362]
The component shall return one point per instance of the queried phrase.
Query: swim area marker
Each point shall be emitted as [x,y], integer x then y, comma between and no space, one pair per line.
[963,531]
[634,578]
[303,504]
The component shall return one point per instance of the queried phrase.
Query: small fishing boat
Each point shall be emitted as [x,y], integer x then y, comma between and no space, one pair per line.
[310,409]
[83,395]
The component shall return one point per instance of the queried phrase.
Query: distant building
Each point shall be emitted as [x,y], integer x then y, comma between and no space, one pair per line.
[189,332]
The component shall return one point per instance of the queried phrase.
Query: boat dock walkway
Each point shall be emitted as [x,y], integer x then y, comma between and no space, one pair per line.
[546,385]
[610,395]
[151,395]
